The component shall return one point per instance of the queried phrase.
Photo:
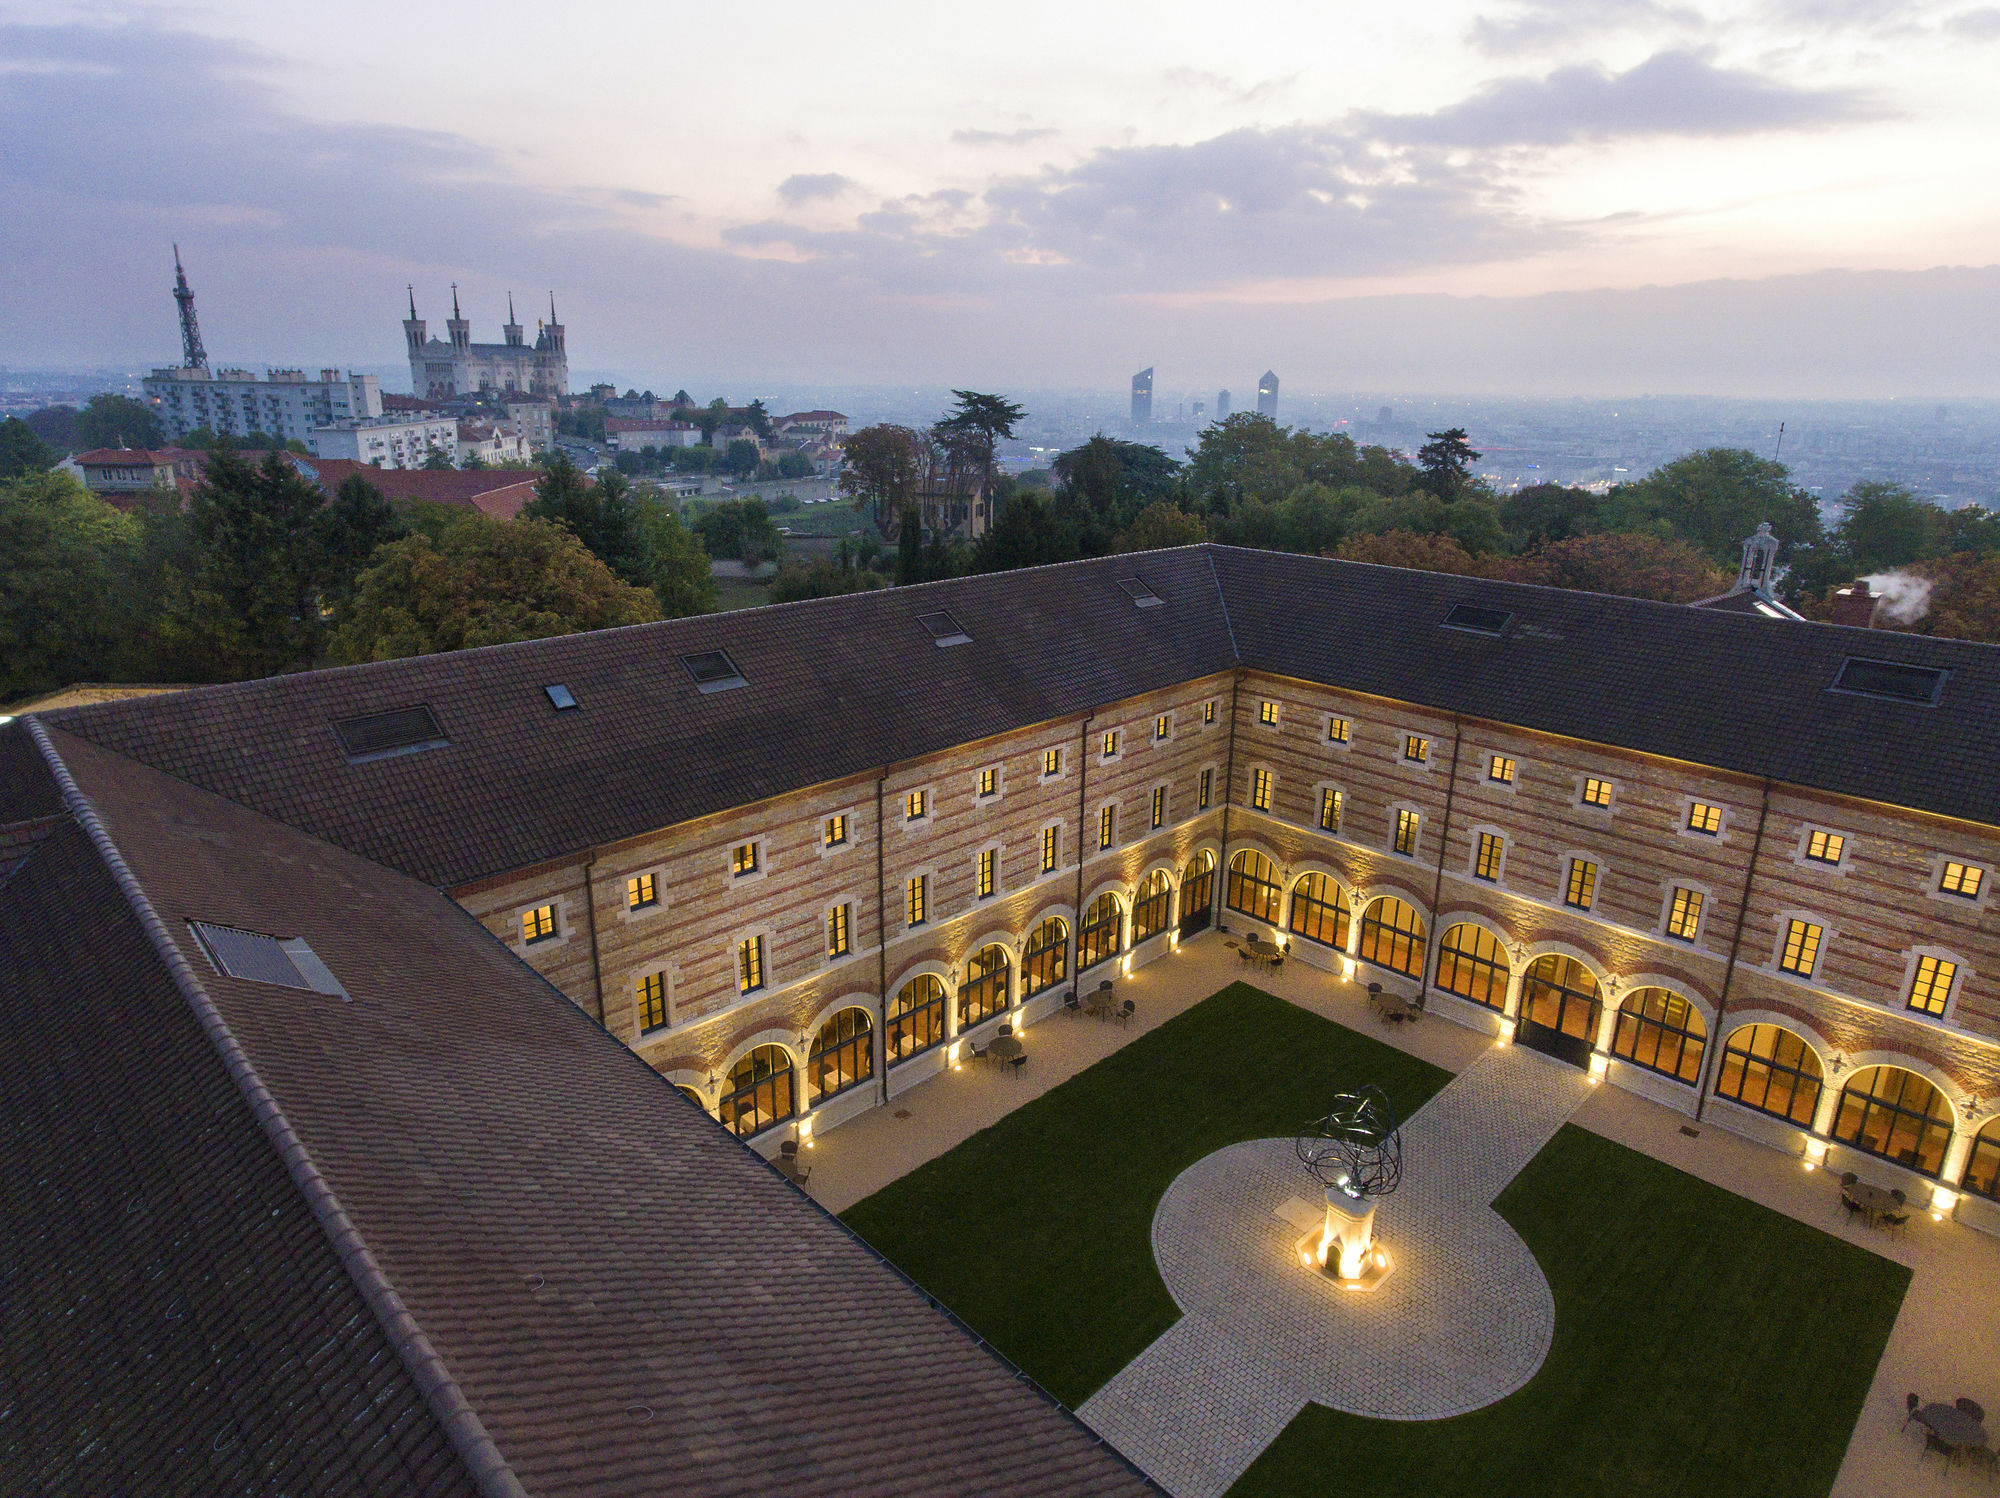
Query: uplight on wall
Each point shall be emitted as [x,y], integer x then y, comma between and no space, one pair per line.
[1506,1033]
[1943,1199]
[1815,1153]
[1347,969]
[1599,1065]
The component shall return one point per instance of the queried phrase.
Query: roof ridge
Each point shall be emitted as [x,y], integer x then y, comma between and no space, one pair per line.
[476,1448]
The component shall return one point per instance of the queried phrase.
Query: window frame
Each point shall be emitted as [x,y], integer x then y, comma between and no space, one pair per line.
[860,1042]
[1497,971]
[1107,826]
[556,936]
[1163,898]
[1270,714]
[760,864]
[1032,955]
[914,1020]
[1156,807]
[921,797]
[846,819]
[983,886]
[1927,1121]
[1417,937]
[1692,808]
[1786,919]
[1596,867]
[1773,1067]
[753,945]
[917,900]
[1163,727]
[1327,796]
[1403,818]
[1507,782]
[1913,970]
[657,874]
[1670,906]
[1235,879]
[1092,925]
[1263,789]
[1584,782]
[1205,788]
[1640,1026]
[1314,909]
[1489,855]
[640,980]
[1941,871]
[842,909]
[732,1118]
[1803,856]
[981,776]
[1342,740]
[1049,850]
[982,982]
[1416,750]
[1052,763]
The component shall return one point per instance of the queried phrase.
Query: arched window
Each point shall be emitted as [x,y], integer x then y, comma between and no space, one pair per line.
[1663,1032]
[760,1091]
[1896,1114]
[843,1054]
[1097,938]
[1473,965]
[691,1095]
[1149,910]
[984,992]
[1982,1170]
[1044,964]
[1392,936]
[1319,911]
[916,1018]
[1772,1070]
[1558,993]
[1198,893]
[1253,886]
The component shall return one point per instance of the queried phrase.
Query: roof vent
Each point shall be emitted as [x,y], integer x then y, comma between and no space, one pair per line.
[1476,619]
[1891,680]
[250,955]
[408,730]
[560,697]
[944,629]
[713,671]
[1141,595]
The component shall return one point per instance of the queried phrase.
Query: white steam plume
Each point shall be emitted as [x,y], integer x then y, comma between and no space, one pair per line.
[1905,599]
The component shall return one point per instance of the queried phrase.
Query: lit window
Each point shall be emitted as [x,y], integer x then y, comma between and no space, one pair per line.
[538,924]
[1052,761]
[989,782]
[1207,780]
[1267,713]
[1159,806]
[1596,792]
[1406,833]
[989,869]
[839,937]
[641,890]
[1684,917]
[750,964]
[1260,790]
[1487,865]
[918,892]
[916,804]
[1932,989]
[1704,818]
[1416,749]
[651,994]
[836,830]
[1336,730]
[1802,940]
[1501,769]
[1825,847]
[1962,879]
[1048,850]
[1160,726]
[1106,821]
[744,859]
[1329,810]
[1208,711]
[1582,887]
[1110,742]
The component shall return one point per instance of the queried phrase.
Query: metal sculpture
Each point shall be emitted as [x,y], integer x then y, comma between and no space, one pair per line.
[1357,1148]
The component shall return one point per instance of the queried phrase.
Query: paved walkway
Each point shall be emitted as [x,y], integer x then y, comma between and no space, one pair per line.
[1465,1318]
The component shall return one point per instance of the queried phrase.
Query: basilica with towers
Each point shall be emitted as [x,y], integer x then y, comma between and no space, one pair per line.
[441,369]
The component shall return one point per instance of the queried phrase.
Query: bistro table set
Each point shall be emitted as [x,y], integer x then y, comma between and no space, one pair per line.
[1954,1431]
[1876,1205]
[1254,948]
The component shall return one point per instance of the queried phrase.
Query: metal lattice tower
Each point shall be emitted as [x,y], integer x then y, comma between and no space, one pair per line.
[193,355]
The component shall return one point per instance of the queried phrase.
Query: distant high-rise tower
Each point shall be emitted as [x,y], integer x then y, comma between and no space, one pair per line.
[193,355]
[1222,405]
[1384,416]
[1200,410]
[1142,397]
[1267,395]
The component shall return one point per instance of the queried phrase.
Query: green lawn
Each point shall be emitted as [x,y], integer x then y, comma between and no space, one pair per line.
[1703,1343]
[740,593]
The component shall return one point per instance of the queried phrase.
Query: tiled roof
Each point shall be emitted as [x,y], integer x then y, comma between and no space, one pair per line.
[499,492]
[613,1293]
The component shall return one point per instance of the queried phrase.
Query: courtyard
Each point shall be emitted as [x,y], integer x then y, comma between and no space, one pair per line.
[1714,1323]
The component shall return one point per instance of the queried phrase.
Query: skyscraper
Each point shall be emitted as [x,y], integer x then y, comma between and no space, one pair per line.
[1142,397]
[1221,405]
[1267,395]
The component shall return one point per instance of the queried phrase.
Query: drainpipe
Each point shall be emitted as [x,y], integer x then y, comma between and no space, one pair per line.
[1713,1057]
[1444,839]
[590,910]
[1082,828]
[1218,900]
[881,943]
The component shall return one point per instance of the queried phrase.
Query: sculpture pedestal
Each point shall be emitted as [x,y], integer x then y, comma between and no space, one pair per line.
[1344,1249]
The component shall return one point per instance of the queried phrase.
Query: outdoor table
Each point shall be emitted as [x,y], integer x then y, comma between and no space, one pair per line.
[1952,1426]
[1098,1002]
[1263,951]
[1006,1048]
[1873,1200]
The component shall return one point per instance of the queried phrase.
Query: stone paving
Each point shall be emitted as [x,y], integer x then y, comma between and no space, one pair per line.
[1465,1318]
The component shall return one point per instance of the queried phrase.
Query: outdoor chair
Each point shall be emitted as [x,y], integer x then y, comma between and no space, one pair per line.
[1006,1027]
[1849,1178]
[978,1051]
[1853,1207]
[1971,1407]
[1900,1198]
[1019,1063]
[1910,1413]
[1072,1005]
[1126,1010]
[1933,1444]
[1896,1222]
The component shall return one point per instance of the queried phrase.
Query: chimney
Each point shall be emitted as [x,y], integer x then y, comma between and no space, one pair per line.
[1855,605]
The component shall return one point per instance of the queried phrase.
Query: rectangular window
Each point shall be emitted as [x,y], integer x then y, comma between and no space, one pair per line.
[1208,711]
[1825,847]
[836,830]
[1159,806]
[538,924]
[1106,821]
[1962,879]
[651,994]
[750,964]
[919,891]
[1416,749]
[1500,768]
[1048,850]
[1260,790]
[743,860]
[1406,833]
[916,804]
[1596,792]
[839,940]
[1684,918]
[1110,742]
[1267,713]
[641,890]
[1329,810]
[1052,761]
[1336,730]
[989,871]
[989,782]
[1487,865]
[1581,890]
[1932,989]
[1704,818]
[1802,940]
[1207,777]
[1160,727]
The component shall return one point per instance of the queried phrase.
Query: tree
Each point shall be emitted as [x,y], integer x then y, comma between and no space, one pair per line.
[676,564]
[55,425]
[64,573]
[1161,525]
[1409,549]
[350,528]
[740,458]
[1633,566]
[739,529]
[437,460]
[758,418]
[1964,598]
[471,461]
[254,606]
[711,418]
[1116,479]
[1884,526]
[1446,462]
[884,467]
[21,451]
[1548,512]
[1972,528]
[1029,532]
[821,579]
[982,420]
[794,466]
[600,514]
[117,421]
[1715,498]
[485,582]
[910,550]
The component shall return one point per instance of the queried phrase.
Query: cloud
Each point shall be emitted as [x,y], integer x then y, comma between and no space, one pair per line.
[1544,24]
[1981,25]
[808,187]
[1230,90]
[1019,137]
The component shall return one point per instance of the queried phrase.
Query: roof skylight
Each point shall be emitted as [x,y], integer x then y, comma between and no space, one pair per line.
[944,630]
[560,697]
[1890,680]
[1141,595]
[1476,619]
[713,671]
[257,958]
[380,735]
